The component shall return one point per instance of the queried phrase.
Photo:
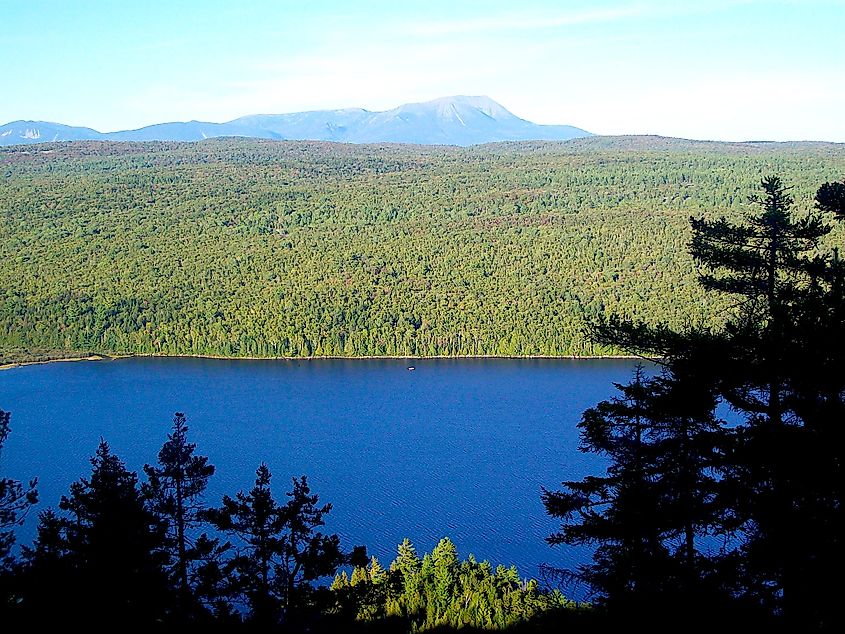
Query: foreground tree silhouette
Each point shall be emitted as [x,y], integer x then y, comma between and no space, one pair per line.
[657,495]
[174,492]
[617,511]
[280,550]
[778,469]
[15,499]
[831,197]
[769,262]
[102,558]
[775,473]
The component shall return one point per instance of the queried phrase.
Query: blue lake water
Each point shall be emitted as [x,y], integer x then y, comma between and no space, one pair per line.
[456,448]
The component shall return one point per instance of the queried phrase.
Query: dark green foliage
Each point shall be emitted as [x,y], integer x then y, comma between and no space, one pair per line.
[253,248]
[174,494]
[15,498]
[279,551]
[769,481]
[762,258]
[785,505]
[100,560]
[831,197]
[617,511]
[656,498]
[784,374]
[440,591]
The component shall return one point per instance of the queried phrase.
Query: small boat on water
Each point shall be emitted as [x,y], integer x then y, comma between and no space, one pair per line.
[411,368]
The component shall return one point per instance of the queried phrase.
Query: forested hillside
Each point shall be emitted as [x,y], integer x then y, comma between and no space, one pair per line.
[261,248]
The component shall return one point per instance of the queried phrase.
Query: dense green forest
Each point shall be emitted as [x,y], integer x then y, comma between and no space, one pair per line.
[258,248]
[439,590]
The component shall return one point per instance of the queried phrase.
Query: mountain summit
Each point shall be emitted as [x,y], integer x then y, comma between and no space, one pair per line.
[458,120]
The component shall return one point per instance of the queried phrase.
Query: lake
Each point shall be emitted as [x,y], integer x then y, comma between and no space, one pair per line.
[457,447]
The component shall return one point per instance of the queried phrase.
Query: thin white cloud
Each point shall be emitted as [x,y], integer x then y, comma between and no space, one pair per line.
[520,22]
[526,21]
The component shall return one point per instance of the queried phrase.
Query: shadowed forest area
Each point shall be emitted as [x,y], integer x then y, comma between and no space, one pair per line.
[720,505]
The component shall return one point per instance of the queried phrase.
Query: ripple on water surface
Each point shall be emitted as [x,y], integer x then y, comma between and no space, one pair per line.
[457,447]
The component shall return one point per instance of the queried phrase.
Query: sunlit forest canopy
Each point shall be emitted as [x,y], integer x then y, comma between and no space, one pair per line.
[242,247]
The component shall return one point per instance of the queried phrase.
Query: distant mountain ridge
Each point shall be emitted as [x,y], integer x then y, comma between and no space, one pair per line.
[458,120]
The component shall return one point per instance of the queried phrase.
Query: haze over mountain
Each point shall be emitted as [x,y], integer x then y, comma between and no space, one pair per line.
[456,120]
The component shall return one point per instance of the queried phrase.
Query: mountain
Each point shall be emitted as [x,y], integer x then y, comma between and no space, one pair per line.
[317,125]
[447,121]
[19,132]
[189,131]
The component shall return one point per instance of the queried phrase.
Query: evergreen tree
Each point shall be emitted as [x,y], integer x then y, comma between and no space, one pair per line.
[174,492]
[364,595]
[772,263]
[15,499]
[687,454]
[404,580]
[442,592]
[280,551]
[831,197]
[307,553]
[777,363]
[102,555]
[769,262]
[256,520]
[47,582]
[444,569]
[620,512]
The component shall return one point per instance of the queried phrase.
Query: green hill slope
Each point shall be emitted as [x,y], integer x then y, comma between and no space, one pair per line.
[261,248]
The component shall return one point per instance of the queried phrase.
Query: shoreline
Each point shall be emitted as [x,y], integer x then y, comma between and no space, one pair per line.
[94,357]
[115,357]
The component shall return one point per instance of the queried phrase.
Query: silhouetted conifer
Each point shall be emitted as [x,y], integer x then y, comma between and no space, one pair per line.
[15,499]
[280,552]
[831,197]
[101,558]
[619,513]
[777,363]
[174,493]
[772,263]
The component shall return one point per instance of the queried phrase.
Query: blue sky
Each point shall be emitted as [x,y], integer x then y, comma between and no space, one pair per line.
[718,69]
